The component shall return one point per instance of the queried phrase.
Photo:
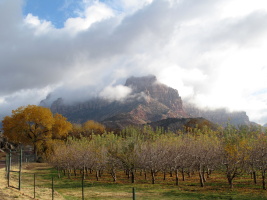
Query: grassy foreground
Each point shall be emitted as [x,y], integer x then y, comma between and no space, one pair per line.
[70,189]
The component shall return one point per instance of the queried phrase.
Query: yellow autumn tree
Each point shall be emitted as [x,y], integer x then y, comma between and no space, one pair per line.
[61,127]
[34,125]
[92,127]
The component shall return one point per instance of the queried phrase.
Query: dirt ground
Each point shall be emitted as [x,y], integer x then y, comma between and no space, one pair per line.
[9,193]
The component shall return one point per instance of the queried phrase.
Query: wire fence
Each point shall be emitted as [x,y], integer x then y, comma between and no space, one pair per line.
[45,186]
[40,185]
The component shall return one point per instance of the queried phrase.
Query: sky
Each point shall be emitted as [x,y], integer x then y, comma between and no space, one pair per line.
[212,52]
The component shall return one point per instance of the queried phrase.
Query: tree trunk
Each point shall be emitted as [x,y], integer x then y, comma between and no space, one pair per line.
[189,174]
[176,177]
[97,175]
[170,173]
[254,177]
[208,173]
[127,173]
[113,174]
[86,169]
[230,181]
[263,180]
[183,175]
[145,175]
[201,176]
[58,173]
[69,173]
[83,174]
[153,176]
[35,151]
[164,175]
[100,173]
[132,176]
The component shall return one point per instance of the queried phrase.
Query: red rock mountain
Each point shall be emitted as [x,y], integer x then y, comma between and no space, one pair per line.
[149,101]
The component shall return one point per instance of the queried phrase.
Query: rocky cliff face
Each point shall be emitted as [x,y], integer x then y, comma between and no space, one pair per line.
[149,101]
[218,116]
[160,92]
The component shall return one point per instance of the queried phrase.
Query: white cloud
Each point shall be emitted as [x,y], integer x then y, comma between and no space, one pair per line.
[118,92]
[240,8]
[41,27]
[93,13]
[22,98]
[210,51]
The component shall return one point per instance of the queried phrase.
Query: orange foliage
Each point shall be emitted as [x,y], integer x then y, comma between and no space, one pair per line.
[93,127]
[34,125]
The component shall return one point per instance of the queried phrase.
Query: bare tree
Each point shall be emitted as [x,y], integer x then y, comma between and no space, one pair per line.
[153,156]
[205,151]
[235,155]
[259,157]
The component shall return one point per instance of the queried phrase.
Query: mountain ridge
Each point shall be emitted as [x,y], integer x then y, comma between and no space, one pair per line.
[149,101]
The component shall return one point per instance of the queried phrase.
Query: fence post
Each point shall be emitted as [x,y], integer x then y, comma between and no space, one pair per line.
[52,188]
[6,163]
[9,159]
[34,185]
[83,185]
[8,169]
[20,167]
[133,193]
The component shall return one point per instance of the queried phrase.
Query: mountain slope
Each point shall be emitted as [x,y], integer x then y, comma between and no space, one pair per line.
[218,116]
[149,101]
[174,124]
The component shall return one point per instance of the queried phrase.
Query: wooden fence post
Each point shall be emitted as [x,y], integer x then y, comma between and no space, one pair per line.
[8,169]
[133,193]
[52,188]
[34,185]
[83,185]
[6,163]
[20,167]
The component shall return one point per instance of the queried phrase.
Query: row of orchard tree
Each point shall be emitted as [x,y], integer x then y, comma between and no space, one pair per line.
[151,152]
[90,147]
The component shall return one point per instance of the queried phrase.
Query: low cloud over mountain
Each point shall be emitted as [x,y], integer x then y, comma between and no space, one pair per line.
[147,101]
[208,50]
